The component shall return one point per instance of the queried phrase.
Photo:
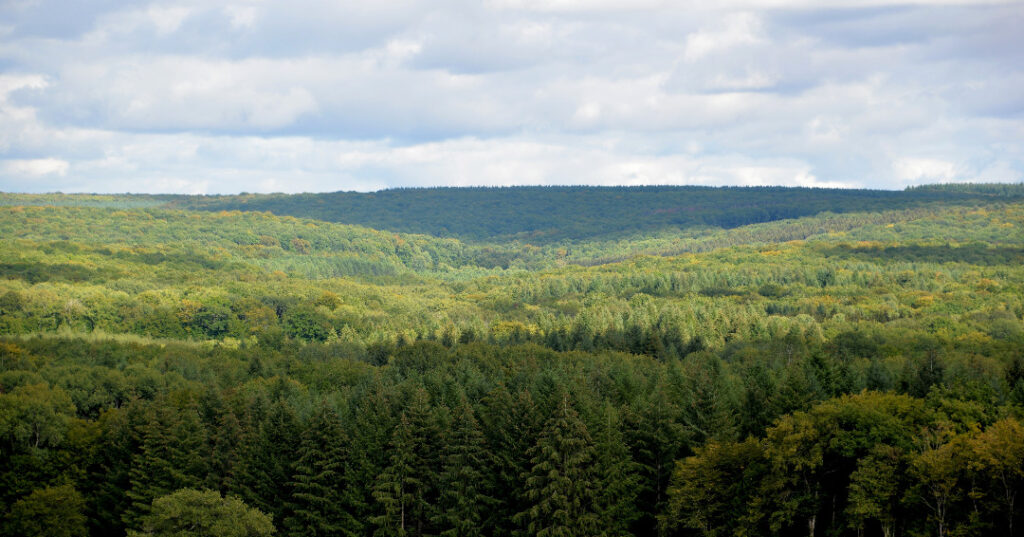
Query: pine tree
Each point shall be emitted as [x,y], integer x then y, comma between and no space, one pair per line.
[395,490]
[463,496]
[562,478]
[618,478]
[263,473]
[171,456]
[373,427]
[511,426]
[407,489]
[317,505]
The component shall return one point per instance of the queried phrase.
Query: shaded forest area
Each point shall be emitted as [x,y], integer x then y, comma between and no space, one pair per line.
[548,214]
[854,372]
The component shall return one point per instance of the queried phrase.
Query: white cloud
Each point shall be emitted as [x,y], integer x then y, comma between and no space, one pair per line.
[35,167]
[321,95]
[910,170]
[737,29]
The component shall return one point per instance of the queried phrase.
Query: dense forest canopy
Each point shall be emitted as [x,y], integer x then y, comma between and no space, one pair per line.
[514,362]
[556,213]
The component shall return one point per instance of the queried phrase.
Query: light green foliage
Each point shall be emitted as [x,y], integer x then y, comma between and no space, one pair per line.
[33,416]
[195,513]
[49,512]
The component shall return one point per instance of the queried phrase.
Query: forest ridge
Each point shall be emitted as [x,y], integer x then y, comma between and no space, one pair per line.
[524,361]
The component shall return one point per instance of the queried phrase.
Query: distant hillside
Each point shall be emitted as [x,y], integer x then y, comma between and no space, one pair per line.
[549,214]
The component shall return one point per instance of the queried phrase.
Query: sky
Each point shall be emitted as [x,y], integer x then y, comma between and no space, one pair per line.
[203,97]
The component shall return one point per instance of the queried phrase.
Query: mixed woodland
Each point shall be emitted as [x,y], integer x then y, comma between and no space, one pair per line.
[542,361]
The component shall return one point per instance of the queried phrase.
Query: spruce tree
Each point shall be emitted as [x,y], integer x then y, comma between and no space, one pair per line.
[395,490]
[317,505]
[511,426]
[618,478]
[263,473]
[463,495]
[371,434]
[407,490]
[171,457]
[561,481]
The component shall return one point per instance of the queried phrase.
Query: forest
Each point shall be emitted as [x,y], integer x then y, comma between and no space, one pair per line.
[532,361]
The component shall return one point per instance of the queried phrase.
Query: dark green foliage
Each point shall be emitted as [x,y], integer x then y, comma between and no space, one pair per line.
[407,489]
[562,478]
[263,472]
[464,492]
[554,213]
[172,456]
[318,507]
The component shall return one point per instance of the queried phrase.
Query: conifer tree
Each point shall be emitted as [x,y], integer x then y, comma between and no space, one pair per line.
[171,456]
[463,495]
[395,490]
[618,478]
[370,436]
[263,472]
[317,506]
[511,426]
[561,481]
[406,490]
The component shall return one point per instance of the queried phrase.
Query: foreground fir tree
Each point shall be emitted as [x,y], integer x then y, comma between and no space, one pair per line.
[463,499]
[405,491]
[511,424]
[262,477]
[561,482]
[171,456]
[618,478]
[371,433]
[318,507]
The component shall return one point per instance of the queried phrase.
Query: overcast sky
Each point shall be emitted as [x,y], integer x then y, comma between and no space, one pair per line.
[265,96]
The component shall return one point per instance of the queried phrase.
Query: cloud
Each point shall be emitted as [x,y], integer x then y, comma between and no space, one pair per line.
[35,167]
[320,95]
[909,170]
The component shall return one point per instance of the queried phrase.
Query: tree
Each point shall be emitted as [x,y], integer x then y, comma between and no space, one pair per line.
[318,508]
[560,483]
[937,470]
[49,512]
[875,490]
[407,489]
[511,426]
[618,478]
[263,473]
[33,416]
[195,513]
[795,450]
[396,487]
[171,456]
[715,491]
[464,497]
[999,454]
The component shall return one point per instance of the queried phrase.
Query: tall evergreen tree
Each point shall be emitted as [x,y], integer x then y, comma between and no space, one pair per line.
[463,495]
[318,507]
[264,469]
[561,481]
[371,434]
[406,491]
[511,425]
[171,457]
[618,478]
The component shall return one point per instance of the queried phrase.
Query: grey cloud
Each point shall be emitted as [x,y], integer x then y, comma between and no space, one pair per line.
[193,96]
